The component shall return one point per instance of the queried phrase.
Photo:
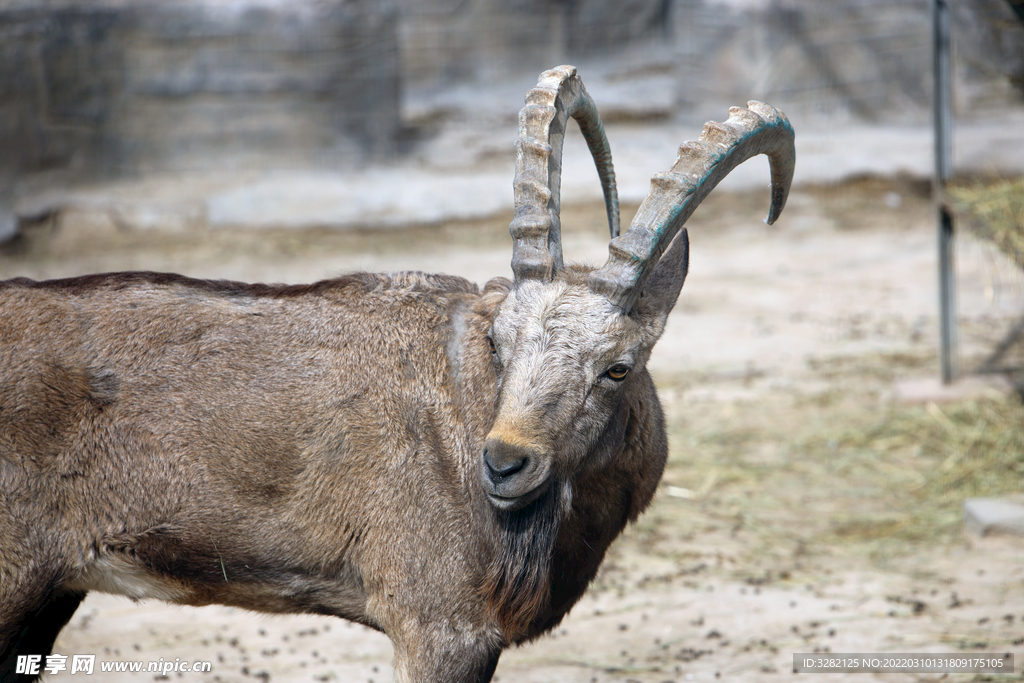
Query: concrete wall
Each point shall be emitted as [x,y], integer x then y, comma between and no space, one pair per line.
[867,59]
[450,40]
[114,88]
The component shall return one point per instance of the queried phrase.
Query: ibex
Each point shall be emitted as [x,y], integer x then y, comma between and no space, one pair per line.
[444,464]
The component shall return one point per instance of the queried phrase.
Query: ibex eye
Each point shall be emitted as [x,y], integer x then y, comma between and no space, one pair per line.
[490,342]
[618,372]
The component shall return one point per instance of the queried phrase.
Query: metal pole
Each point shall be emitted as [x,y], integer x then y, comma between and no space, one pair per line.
[943,111]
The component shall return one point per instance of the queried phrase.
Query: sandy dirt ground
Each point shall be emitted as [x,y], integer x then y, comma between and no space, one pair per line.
[772,533]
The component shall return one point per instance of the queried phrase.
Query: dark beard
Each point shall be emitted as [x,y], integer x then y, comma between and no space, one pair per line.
[517,585]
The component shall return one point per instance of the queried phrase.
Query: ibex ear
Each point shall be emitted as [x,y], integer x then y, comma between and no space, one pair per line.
[662,288]
[494,293]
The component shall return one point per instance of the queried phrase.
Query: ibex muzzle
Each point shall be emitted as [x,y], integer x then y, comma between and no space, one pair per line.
[444,464]
[515,474]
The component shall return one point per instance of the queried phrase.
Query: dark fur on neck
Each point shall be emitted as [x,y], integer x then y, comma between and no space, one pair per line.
[517,584]
[549,552]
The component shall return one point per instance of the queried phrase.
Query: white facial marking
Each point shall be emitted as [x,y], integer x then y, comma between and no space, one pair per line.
[554,331]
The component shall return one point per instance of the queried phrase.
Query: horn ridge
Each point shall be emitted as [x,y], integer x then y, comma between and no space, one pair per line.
[536,228]
[673,197]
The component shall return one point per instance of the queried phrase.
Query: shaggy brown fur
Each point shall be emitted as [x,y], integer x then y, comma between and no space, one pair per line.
[305,448]
[443,464]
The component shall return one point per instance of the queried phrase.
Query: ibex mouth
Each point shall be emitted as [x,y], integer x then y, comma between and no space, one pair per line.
[513,476]
[511,504]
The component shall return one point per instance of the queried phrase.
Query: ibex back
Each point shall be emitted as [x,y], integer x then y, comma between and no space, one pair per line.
[444,464]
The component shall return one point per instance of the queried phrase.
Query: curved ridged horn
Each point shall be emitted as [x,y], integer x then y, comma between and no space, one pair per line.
[701,165]
[536,229]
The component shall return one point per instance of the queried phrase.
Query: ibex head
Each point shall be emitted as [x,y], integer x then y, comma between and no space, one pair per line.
[571,343]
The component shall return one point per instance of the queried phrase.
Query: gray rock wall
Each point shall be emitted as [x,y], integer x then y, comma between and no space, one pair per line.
[991,41]
[869,59]
[446,40]
[866,59]
[114,88]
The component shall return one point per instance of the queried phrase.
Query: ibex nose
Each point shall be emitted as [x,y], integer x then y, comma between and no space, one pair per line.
[514,475]
[501,464]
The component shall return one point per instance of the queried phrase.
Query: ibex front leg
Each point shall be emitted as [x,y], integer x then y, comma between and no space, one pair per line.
[445,657]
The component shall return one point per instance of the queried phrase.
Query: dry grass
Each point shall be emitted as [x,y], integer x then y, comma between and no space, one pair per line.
[994,210]
[923,462]
[843,475]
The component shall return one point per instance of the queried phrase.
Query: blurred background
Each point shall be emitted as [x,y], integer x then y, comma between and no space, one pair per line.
[95,91]
[818,493]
